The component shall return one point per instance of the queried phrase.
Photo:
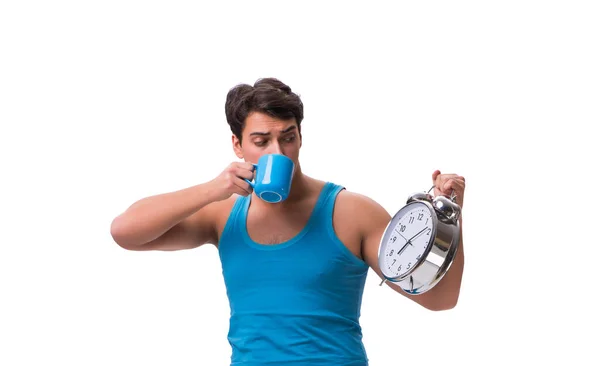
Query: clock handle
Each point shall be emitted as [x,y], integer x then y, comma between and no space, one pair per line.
[452,195]
[447,206]
[450,210]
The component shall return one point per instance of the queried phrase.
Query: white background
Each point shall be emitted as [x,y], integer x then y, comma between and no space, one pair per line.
[103,103]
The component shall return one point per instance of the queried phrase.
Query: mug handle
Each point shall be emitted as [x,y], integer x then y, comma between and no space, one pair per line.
[250,182]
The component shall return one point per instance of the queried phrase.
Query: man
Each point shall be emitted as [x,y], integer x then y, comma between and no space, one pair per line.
[295,270]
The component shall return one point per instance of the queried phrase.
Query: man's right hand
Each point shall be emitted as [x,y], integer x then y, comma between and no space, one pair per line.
[231,181]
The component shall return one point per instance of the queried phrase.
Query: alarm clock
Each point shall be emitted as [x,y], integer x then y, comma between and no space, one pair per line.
[420,242]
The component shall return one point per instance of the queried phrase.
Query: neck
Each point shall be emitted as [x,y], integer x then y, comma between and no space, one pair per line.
[300,187]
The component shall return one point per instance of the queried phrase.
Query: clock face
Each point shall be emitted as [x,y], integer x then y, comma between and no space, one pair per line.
[407,239]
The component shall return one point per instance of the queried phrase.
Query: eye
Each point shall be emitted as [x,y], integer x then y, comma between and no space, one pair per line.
[260,143]
[290,138]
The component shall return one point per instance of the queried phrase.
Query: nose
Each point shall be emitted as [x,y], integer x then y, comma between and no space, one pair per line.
[275,148]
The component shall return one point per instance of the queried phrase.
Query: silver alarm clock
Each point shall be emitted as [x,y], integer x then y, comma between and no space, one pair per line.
[420,242]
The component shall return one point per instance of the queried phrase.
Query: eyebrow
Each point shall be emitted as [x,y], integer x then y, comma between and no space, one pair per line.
[291,128]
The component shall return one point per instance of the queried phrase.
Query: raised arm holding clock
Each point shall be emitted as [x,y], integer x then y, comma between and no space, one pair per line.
[441,295]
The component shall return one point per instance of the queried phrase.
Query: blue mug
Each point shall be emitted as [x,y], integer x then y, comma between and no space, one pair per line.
[273,179]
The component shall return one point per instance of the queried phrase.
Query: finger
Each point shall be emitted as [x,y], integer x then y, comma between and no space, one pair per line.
[244,187]
[458,187]
[247,165]
[244,173]
[435,179]
[453,185]
[455,188]
[241,192]
[242,165]
[435,175]
[444,183]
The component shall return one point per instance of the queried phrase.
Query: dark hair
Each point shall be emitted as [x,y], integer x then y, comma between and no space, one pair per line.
[269,96]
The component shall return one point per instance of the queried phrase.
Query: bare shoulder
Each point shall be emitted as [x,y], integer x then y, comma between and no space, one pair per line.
[361,210]
[356,218]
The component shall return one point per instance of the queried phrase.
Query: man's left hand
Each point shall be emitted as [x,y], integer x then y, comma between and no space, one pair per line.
[446,183]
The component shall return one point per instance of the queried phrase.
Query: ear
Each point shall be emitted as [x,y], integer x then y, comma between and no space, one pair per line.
[300,134]
[237,146]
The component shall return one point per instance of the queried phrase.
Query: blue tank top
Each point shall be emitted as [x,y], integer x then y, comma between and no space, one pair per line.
[297,302]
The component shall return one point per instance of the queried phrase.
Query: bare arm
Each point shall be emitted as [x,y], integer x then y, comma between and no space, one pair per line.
[445,294]
[168,221]
[182,219]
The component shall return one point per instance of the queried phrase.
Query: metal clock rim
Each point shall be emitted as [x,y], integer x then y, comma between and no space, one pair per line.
[442,269]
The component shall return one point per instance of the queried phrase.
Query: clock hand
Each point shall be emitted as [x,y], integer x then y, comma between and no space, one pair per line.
[416,235]
[408,242]
[404,247]
[400,234]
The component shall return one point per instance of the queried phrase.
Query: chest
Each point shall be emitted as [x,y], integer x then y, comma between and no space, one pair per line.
[275,229]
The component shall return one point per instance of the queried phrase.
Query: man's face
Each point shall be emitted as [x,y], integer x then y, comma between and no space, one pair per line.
[263,134]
